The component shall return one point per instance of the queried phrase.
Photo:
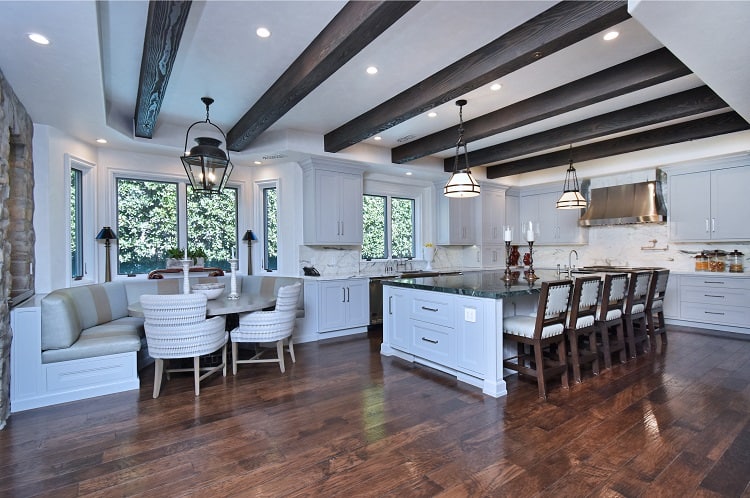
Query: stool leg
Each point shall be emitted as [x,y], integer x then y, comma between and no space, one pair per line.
[158,374]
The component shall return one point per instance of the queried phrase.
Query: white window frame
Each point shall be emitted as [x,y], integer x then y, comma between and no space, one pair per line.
[88,228]
[258,255]
[390,190]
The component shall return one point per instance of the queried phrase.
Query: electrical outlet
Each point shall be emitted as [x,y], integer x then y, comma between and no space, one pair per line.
[470,315]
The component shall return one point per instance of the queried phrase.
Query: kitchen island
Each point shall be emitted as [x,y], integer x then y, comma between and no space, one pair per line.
[454,323]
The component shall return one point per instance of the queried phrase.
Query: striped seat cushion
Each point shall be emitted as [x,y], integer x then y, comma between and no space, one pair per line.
[523,325]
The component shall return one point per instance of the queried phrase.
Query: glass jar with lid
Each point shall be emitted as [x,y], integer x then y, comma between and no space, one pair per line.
[735,261]
[701,262]
[717,262]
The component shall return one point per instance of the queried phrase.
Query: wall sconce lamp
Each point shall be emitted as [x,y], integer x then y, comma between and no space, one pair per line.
[249,237]
[106,234]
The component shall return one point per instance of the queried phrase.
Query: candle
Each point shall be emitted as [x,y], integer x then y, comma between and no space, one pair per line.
[530,232]
[508,234]
[185,253]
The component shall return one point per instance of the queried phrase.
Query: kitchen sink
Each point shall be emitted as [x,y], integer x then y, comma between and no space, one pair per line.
[419,273]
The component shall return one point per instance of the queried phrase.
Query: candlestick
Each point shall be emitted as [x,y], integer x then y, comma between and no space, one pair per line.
[530,275]
[186,256]
[508,274]
[233,280]
[233,254]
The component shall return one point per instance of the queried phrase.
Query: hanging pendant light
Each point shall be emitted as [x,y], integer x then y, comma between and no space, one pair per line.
[571,197]
[207,166]
[461,183]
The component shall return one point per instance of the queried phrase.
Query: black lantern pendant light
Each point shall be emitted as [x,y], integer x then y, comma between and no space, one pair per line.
[571,197]
[461,183]
[207,166]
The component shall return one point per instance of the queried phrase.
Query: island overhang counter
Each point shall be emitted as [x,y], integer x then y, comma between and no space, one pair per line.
[454,323]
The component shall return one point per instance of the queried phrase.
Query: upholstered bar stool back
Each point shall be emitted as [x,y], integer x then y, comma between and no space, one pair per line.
[634,312]
[655,307]
[538,333]
[610,329]
[581,324]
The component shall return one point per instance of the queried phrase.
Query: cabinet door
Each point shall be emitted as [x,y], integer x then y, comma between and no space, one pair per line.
[493,256]
[350,209]
[358,302]
[396,323]
[332,306]
[512,214]
[328,206]
[462,220]
[690,207]
[568,230]
[730,204]
[493,216]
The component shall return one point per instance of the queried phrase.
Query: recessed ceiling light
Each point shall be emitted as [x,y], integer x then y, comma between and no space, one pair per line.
[257,162]
[263,32]
[611,35]
[378,138]
[432,114]
[101,140]
[495,87]
[372,70]
[37,38]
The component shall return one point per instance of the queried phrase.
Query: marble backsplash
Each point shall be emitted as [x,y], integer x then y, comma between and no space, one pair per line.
[622,245]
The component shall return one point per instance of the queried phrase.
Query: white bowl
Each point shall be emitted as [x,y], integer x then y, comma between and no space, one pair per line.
[211,290]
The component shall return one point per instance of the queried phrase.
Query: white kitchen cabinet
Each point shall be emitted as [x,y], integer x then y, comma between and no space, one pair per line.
[493,215]
[710,205]
[456,219]
[343,304]
[554,226]
[332,200]
[493,256]
[512,211]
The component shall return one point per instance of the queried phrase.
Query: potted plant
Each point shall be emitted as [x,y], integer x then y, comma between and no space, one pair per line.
[174,257]
[198,255]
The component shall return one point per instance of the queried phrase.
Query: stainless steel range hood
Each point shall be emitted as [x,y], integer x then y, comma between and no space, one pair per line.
[625,204]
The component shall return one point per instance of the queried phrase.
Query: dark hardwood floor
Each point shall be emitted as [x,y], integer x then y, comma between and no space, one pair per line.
[344,421]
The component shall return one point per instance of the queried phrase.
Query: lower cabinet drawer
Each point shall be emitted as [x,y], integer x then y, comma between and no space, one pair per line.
[434,342]
[431,308]
[726,297]
[737,316]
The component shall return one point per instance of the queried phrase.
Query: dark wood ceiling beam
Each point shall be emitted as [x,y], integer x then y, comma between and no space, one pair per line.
[679,105]
[720,124]
[164,28]
[554,29]
[644,71]
[352,29]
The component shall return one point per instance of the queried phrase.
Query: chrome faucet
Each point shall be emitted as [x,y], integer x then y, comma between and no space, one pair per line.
[570,264]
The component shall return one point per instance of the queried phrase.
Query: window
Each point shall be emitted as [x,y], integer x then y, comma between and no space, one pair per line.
[388,227]
[76,224]
[270,228]
[146,224]
[212,225]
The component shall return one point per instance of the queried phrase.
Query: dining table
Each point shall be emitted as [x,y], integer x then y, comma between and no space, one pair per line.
[222,305]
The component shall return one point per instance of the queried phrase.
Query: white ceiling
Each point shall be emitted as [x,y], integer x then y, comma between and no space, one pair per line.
[86,81]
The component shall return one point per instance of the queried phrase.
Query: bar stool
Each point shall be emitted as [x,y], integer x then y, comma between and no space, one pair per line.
[655,307]
[581,325]
[609,317]
[539,332]
[634,312]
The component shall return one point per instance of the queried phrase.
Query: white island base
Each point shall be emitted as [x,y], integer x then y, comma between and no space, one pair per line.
[456,334]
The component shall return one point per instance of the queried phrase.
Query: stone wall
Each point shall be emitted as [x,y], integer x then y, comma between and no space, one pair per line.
[16,222]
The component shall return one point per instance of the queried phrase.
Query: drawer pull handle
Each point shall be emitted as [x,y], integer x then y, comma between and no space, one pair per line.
[712,313]
[431,341]
[713,295]
[429,309]
[710,282]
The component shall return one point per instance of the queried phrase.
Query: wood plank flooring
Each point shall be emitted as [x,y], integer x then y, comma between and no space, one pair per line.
[345,421]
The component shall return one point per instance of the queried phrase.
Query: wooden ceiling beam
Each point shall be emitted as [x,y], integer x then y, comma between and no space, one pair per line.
[679,105]
[720,124]
[554,29]
[355,26]
[164,28]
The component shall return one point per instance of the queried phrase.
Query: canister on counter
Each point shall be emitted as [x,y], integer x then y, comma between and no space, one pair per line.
[735,261]
[701,262]
[717,262]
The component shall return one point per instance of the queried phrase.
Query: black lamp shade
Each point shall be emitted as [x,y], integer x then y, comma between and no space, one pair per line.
[106,233]
[249,236]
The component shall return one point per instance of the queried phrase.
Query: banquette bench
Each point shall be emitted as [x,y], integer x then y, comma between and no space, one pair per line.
[79,342]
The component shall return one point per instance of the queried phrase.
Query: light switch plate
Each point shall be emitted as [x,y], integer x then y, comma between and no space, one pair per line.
[470,315]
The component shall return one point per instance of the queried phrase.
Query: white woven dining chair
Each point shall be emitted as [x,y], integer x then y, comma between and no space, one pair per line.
[176,327]
[269,326]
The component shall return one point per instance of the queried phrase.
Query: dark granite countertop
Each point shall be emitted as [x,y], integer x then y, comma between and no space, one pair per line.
[489,284]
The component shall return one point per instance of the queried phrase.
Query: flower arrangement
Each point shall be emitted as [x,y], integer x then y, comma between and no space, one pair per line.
[429,244]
